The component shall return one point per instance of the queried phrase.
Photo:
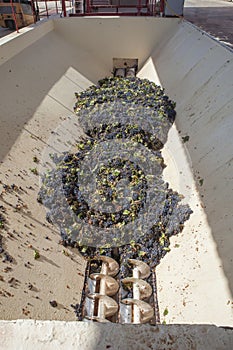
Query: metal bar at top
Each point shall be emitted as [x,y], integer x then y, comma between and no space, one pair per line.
[162,7]
[63,4]
[139,6]
[14,16]
[149,7]
[46,7]
[154,6]
[33,10]
[119,6]
[109,14]
[88,7]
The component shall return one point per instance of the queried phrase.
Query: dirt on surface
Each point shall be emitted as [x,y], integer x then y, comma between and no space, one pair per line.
[35,270]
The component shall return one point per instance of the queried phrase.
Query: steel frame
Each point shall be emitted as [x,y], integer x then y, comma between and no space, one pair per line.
[91,9]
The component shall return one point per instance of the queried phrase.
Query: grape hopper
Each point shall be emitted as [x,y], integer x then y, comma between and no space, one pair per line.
[195,72]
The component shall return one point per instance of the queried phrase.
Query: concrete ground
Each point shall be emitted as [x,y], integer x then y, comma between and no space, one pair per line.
[4,31]
[213,16]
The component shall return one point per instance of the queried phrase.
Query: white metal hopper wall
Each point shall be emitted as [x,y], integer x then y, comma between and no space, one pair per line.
[40,71]
[197,73]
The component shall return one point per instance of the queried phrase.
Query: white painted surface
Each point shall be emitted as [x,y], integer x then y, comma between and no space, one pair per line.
[195,279]
[197,73]
[38,335]
[14,43]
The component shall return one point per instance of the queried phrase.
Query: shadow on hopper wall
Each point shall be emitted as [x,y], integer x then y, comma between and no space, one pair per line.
[28,77]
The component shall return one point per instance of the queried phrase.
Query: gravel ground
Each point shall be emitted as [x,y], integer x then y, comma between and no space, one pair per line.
[213,16]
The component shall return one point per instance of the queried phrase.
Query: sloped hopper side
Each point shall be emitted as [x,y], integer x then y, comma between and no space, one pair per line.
[41,70]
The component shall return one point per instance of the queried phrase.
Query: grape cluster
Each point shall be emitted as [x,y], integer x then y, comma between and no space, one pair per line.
[138,113]
[136,91]
[107,179]
[153,246]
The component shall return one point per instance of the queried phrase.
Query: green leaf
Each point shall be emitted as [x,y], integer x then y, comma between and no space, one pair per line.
[80,145]
[185,138]
[36,254]
[34,171]
[65,252]
[165,313]
[162,239]
[116,172]
[126,212]
[132,243]
[84,249]
[141,253]
[167,249]
[201,181]
[101,250]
